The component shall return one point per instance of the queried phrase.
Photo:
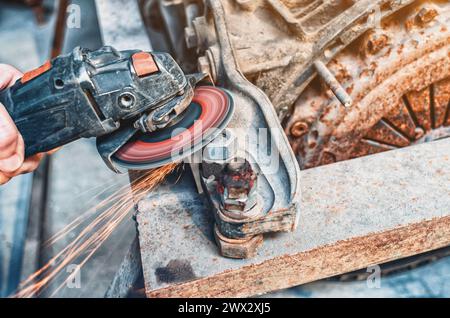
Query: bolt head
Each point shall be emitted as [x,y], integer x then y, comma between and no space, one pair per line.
[299,129]
[239,188]
[240,249]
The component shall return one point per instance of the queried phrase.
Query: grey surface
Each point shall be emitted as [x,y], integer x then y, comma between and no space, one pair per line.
[340,201]
[88,35]
[78,175]
[121,25]
[128,274]
[14,212]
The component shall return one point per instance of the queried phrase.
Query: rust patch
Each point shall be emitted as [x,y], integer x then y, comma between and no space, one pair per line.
[441,97]
[425,15]
[375,43]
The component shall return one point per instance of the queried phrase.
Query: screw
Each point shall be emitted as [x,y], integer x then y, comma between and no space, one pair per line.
[299,129]
[127,100]
[419,132]
[239,188]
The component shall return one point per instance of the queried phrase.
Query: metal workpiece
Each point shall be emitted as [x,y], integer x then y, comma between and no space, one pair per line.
[258,192]
[354,214]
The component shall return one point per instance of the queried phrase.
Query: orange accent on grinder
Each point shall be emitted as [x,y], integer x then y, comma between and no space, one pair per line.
[144,64]
[28,76]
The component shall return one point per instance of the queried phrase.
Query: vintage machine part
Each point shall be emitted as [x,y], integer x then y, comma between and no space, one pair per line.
[254,187]
[268,179]
[398,77]
[352,47]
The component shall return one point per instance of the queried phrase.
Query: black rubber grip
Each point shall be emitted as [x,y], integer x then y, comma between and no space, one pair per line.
[36,124]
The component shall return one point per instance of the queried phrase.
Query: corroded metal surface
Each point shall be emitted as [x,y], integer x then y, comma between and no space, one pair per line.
[398,77]
[372,210]
[376,53]
[276,42]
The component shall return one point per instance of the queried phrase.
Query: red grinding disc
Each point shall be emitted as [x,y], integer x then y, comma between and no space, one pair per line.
[208,113]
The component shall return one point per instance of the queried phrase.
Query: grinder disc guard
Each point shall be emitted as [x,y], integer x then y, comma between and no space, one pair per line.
[207,115]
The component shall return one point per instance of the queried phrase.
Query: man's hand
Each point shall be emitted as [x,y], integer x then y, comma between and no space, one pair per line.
[12,147]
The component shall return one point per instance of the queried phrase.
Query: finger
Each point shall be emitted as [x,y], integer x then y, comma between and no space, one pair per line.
[4,179]
[9,135]
[29,165]
[32,163]
[8,75]
[15,160]
[51,152]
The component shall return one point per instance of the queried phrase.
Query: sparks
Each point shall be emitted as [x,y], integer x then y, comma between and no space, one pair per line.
[115,208]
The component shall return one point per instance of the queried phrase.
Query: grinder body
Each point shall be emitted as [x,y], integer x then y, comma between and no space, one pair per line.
[89,94]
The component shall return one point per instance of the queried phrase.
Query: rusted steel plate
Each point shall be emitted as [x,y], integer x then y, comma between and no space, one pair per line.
[354,214]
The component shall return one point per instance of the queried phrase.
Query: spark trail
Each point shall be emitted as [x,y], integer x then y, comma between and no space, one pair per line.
[95,231]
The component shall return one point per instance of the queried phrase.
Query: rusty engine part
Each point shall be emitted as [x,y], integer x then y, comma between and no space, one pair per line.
[346,78]
[374,55]
[398,78]
[247,195]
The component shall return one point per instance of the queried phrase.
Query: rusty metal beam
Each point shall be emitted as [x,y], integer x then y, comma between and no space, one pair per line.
[354,214]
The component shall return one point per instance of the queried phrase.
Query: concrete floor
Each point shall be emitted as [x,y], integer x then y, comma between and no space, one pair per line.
[77,170]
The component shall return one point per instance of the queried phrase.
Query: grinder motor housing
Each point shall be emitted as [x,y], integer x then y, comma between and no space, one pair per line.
[90,94]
